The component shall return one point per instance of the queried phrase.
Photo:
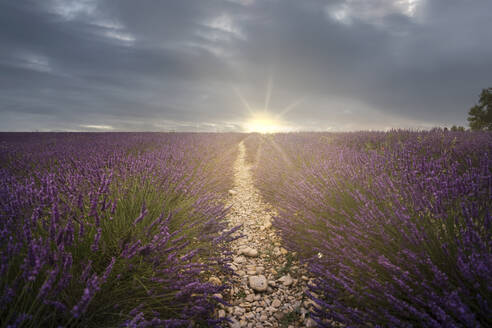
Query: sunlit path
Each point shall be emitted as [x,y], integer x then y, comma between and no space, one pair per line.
[268,289]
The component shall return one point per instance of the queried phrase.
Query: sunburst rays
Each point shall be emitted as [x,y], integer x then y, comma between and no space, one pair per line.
[267,120]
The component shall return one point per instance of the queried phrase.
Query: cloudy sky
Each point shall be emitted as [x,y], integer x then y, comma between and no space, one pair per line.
[219,65]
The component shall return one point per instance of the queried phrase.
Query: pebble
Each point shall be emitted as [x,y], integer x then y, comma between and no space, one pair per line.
[258,283]
[238,311]
[286,280]
[266,226]
[250,298]
[249,315]
[248,251]
[239,259]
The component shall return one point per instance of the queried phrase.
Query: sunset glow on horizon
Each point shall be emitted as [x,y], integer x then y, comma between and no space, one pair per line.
[265,122]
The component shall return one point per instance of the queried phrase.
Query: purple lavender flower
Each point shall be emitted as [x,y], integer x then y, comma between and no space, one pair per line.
[97,237]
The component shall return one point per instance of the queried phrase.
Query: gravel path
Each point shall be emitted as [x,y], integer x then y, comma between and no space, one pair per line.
[268,288]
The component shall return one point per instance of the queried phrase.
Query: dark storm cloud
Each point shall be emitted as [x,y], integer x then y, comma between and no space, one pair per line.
[174,65]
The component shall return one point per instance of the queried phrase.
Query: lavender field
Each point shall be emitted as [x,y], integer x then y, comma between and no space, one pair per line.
[246,164]
[396,226]
[130,230]
[106,230]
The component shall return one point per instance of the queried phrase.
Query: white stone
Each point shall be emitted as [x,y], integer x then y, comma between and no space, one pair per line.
[239,259]
[249,315]
[250,297]
[286,280]
[258,283]
[238,311]
[248,251]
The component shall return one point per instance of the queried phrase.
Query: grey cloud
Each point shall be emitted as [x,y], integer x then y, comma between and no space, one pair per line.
[150,65]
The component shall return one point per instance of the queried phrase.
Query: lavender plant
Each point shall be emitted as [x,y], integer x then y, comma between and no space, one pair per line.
[396,226]
[102,230]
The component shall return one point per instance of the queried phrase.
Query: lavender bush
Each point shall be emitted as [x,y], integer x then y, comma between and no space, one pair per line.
[396,226]
[112,229]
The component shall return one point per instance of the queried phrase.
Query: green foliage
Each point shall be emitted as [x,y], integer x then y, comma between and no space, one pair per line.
[290,318]
[480,115]
[241,294]
[455,128]
[287,266]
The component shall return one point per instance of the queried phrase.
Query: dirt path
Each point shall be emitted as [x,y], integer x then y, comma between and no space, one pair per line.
[268,288]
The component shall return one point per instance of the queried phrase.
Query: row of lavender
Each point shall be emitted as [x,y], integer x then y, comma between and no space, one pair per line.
[396,226]
[112,229]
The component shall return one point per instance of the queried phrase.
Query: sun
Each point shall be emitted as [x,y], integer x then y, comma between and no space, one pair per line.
[264,122]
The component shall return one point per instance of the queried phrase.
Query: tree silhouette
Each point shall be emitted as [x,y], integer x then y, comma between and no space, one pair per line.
[455,128]
[480,115]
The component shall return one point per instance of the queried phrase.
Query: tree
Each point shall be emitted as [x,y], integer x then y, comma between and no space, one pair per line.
[480,115]
[455,128]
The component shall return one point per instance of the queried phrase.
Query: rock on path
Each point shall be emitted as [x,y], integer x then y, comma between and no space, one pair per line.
[268,288]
